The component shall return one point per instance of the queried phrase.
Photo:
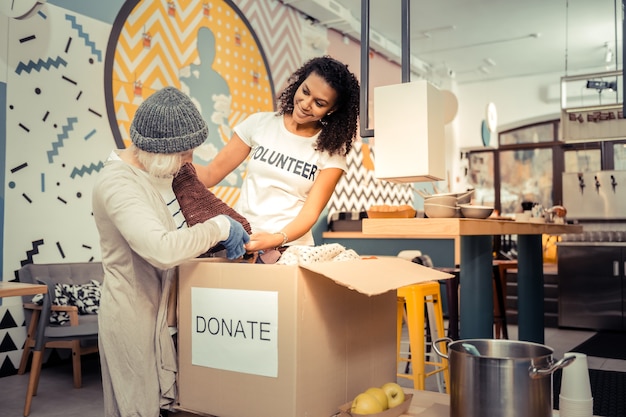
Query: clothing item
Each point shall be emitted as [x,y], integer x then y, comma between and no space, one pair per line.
[168,122]
[280,173]
[198,203]
[140,247]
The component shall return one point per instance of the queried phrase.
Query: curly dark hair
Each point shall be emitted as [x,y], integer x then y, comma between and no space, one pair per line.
[338,128]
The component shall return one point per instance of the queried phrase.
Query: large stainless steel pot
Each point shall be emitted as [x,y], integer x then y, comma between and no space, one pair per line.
[504,378]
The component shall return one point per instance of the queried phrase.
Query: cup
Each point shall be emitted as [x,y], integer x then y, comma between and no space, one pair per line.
[575,408]
[575,383]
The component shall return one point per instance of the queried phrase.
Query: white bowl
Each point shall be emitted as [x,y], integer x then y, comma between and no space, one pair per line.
[475,212]
[440,199]
[441,210]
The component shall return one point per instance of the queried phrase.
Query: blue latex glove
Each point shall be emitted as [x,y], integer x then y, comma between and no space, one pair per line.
[237,237]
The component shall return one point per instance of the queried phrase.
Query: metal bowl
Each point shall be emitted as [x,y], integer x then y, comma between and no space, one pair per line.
[475,212]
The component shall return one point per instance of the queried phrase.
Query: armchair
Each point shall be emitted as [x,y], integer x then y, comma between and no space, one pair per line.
[80,334]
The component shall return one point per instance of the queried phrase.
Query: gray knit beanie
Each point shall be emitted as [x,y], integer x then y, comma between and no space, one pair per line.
[168,122]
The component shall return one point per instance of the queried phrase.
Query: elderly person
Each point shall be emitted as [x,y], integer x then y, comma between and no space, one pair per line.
[141,243]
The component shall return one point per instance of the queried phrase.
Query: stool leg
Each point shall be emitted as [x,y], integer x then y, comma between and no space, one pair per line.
[415,316]
[503,269]
[452,293]
[438,312]
[500,318]
[400,318]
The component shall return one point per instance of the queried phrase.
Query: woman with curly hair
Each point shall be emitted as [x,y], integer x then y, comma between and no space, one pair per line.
[297,154]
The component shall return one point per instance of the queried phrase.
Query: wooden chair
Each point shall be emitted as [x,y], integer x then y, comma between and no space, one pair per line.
[500,268]
[80,334]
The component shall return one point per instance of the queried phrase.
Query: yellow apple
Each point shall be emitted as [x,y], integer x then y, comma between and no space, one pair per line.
[380,395]
[366,404]
[395,394]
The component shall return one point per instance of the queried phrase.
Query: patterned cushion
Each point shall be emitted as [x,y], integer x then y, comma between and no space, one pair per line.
[86,297]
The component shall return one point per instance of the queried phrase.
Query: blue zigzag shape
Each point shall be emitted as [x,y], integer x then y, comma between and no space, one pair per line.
[86,169]
[61,137]
[56,63]
[85,36]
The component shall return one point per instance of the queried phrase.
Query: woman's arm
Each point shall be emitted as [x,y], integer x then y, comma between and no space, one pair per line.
[317,199]
[229,158]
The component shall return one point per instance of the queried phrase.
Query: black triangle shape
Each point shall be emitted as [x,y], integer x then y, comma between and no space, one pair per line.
[7,344]
[7,321]
[7,368]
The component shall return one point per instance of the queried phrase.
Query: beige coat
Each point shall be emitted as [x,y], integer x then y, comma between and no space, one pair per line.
[140,248]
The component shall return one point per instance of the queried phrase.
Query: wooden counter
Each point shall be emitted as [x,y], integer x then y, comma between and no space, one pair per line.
[474,253]
[452,228]
[15,289]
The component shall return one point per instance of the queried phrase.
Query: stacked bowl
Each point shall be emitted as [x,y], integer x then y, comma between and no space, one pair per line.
[441,206]
[451,205]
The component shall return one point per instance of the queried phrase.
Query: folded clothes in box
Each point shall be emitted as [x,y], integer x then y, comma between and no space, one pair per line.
[346,221]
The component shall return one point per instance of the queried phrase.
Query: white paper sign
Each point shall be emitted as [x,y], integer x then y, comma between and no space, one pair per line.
[235,330]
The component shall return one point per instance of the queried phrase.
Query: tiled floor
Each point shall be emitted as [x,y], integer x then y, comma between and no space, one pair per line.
[57,398]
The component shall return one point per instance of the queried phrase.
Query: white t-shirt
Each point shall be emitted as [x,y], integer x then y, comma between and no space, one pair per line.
[280,173]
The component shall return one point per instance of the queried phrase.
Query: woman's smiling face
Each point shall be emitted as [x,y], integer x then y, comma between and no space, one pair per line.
[313,100]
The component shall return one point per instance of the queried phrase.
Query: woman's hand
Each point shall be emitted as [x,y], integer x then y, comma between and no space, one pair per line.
[264,241]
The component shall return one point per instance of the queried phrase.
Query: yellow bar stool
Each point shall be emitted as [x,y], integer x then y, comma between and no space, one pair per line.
[413,301]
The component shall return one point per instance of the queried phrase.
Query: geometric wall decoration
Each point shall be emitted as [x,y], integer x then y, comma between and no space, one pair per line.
[57,137]
[58,108]
[205,48]
[359,189]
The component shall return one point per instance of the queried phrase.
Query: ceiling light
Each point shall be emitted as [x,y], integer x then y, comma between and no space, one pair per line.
[484,69]
[490,62]
[608,56]
[427,33]
[489,42]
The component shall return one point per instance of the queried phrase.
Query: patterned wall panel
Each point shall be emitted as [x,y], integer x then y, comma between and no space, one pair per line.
[205,48]
[62,123]
[280,30]
[57,137]
[359,189]
[59,131]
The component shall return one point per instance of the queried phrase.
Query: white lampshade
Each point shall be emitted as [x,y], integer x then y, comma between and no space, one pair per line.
[409,133]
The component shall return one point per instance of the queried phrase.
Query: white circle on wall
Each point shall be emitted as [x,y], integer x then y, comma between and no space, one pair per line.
[20,9]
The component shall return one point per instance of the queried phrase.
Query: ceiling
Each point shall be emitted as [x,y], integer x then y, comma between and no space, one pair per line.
[480,40]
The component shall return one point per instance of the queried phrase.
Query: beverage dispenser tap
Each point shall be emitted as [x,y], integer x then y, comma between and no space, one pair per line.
[581,183]
[613,183]
[595,177]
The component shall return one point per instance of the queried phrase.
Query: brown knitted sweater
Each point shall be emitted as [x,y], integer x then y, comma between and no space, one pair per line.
[198,204]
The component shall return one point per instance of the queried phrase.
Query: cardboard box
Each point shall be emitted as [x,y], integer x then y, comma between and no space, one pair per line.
[287,341]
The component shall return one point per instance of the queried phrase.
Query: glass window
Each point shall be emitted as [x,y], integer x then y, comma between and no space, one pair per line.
[583,160]
[619,156]
[481,177]
[532,134]
[525,175]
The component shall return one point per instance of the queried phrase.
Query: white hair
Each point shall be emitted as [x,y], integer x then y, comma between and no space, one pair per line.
[160,165]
